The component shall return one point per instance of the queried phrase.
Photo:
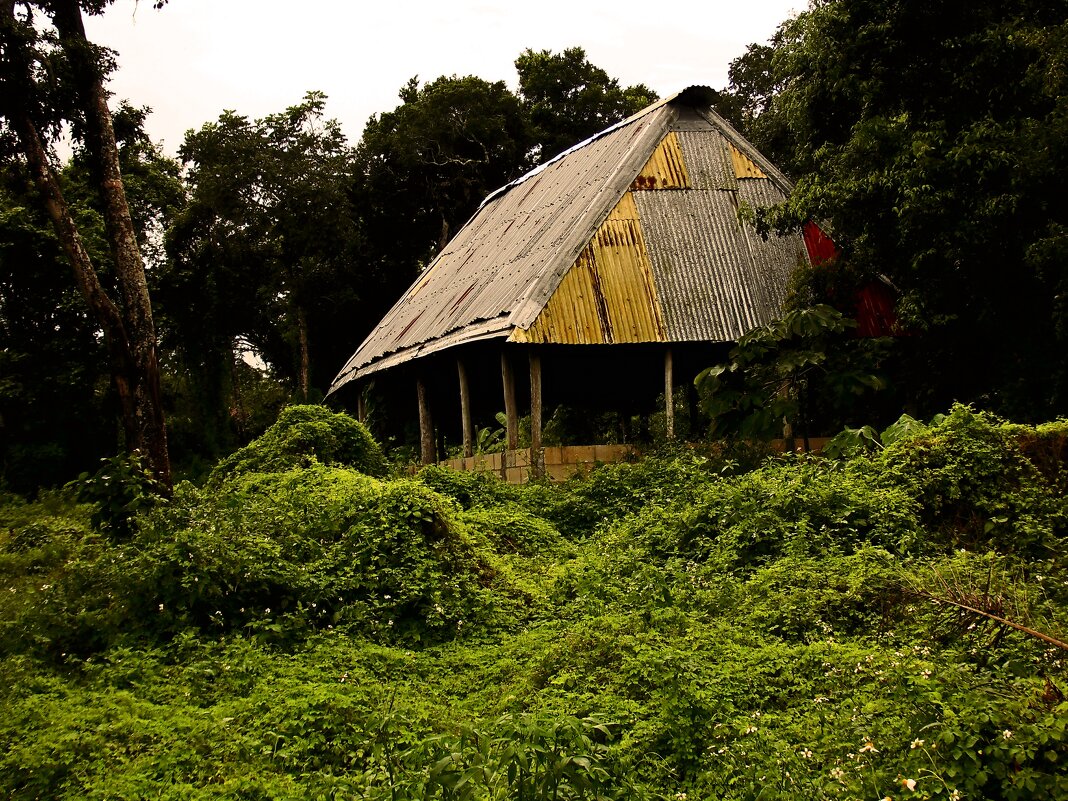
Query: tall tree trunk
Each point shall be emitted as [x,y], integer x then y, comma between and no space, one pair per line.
[302,334]
[128,326]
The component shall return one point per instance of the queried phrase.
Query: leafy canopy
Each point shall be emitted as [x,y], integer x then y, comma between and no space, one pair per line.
[931,138]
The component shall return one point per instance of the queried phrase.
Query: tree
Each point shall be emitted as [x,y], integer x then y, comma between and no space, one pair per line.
[568,99]
[749,102]
[55,406]
[423,168]
[802,369]
[53,417]
[264,251]
[932,138]
[51,74]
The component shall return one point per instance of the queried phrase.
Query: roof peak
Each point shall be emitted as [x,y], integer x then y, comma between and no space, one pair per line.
[696,96]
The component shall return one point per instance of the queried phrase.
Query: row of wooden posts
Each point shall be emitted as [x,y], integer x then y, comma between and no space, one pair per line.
[428,450]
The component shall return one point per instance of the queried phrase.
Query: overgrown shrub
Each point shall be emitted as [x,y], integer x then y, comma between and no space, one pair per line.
[121,489]
[514,530]
[803,506]
[469,489]
[328,545]
[304,434]
[975,485]
[51,593]
[613,491]
[809,629]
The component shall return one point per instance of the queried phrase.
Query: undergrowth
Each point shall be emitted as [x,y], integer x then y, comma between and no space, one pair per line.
[307,627]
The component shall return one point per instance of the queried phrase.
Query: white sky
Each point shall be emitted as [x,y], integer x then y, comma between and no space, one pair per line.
[196,58]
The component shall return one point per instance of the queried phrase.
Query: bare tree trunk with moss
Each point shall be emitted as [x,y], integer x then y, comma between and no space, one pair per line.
[128,326]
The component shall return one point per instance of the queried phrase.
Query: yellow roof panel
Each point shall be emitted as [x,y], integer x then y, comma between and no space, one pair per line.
[666,168]
[744,167]
[608,295]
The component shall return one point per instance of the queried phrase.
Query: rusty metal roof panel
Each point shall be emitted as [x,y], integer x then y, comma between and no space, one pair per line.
[509,258]
[666,168]
[744,166]
[608,295]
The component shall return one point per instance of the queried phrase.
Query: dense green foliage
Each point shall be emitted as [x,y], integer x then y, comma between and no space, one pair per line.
[303,434]
[269,231]
[568,99]
[931,140]
[675,627]
[802,368]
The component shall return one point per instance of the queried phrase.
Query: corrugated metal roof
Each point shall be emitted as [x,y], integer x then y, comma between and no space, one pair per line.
[567,254]
[608,295]
[743,165]
[508,259]
[665,168]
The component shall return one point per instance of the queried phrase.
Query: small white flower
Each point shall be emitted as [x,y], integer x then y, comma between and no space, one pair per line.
[954,796]
[909,783]
[161,607]
[1007,734]
[806,753]
[267,610]
[837,774]
[917,743]
[868,747]
[750,730]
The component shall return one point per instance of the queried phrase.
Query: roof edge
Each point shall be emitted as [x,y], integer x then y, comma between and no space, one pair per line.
[489,329]
[782,183]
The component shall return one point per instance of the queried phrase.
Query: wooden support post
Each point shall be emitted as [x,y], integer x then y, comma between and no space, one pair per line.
[669,394]
[465,409]
[427,449]
[537,466]
[361,404]
[512,427]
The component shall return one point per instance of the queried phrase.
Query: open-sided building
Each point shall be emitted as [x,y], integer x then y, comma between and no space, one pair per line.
[606,274]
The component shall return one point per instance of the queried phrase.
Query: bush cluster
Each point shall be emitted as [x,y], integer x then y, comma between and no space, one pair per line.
[304,434]
[864,627]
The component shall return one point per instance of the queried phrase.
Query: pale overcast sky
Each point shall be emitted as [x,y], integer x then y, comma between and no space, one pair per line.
[195,58]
